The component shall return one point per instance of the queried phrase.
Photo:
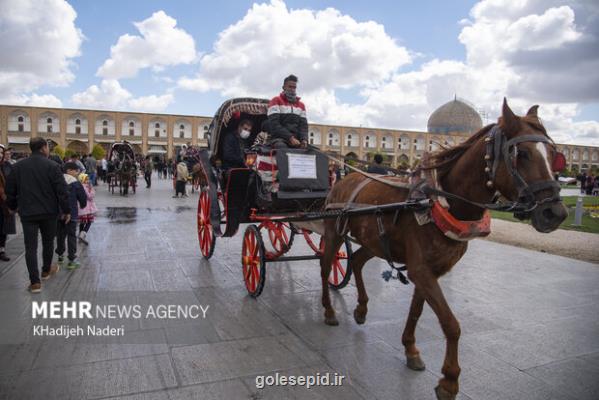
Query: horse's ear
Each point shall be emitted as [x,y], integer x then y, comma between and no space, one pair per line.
[509,119]
[532,111]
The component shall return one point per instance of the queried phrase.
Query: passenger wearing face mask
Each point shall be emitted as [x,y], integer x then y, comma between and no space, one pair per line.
[287,117]
[234,145]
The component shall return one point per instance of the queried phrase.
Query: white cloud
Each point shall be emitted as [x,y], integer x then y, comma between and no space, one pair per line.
[520,49]
[161,44]
[151,103]
[111,95]
[38,40]
[326,49]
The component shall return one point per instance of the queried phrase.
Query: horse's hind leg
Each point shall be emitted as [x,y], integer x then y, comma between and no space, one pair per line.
[358,259]
[332,241]
[408,338]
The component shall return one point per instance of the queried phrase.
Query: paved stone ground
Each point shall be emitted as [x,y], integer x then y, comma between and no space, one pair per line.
[529,321]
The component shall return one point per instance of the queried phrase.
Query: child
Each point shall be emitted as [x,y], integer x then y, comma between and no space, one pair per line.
[69,230]
[87,213]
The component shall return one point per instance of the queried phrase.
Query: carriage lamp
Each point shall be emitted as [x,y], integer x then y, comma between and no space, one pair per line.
[250,159]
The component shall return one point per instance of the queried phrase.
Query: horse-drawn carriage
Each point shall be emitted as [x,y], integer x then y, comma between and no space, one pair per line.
[424,220]
[275,187]
[122,170]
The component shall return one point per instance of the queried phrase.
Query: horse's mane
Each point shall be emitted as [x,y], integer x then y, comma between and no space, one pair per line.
[443,160]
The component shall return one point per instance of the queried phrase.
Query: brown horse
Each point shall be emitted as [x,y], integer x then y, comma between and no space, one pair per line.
[464,170]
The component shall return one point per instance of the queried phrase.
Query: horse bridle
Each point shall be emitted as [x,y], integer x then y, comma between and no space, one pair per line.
[498,147]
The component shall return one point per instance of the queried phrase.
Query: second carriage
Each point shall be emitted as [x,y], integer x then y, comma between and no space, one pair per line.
[271,193]
[122,170]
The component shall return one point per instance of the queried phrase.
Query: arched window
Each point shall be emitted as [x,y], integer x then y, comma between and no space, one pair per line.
[105,127]
[48,120]
[77,121]
[384,142]
[181,131]
[21,126]
[20,119]
[349,140]
[311,137]
[367,141]
[157,129]
[131,128]
[330,139]
[131,124]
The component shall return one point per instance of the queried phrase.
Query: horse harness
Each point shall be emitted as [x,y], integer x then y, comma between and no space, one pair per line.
[423,184]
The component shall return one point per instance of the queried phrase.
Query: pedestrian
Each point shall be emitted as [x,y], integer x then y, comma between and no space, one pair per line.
[589,184]
[8,156]
[182,175]
[7,220]
[68,230]
[377,167]
[36,187]
[91,168]
[148,168]
[86,214]
[169,169]
[77,161]
[104,163]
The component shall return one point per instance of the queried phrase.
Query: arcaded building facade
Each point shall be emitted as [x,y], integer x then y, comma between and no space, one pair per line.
[164,134]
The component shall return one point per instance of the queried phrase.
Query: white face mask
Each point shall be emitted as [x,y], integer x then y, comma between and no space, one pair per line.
[244,134]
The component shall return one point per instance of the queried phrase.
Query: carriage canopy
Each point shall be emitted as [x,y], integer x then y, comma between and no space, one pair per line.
[228,116]
[119,150]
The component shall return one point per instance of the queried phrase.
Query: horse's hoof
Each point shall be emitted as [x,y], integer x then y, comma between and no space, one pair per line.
[415,363]
[331,321]
[360,319]
[443,394]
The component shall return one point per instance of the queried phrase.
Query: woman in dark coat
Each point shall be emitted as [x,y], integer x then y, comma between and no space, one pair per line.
[7,220]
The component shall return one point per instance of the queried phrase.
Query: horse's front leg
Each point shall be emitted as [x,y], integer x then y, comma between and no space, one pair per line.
[428,286]
[332,241]
[408,338]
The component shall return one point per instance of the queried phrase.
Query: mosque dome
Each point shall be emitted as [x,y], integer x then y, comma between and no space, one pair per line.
[455,116]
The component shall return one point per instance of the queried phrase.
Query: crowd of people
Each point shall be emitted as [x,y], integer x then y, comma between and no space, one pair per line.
[53,197]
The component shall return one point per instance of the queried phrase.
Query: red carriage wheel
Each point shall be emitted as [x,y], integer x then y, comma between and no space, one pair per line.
[280,236]
[340,270]
[252,261]
[205,233]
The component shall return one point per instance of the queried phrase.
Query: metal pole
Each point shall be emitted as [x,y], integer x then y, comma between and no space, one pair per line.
[578,212]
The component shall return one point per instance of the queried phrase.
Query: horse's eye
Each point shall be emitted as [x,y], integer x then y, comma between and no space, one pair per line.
[523,154]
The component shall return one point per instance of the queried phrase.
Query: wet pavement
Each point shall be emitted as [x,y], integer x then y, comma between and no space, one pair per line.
[528,319]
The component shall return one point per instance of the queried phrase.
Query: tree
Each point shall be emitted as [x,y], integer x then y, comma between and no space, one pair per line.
[98,152]
[59,151]
[69,153]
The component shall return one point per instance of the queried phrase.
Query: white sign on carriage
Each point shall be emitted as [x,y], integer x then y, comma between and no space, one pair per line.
[302,166]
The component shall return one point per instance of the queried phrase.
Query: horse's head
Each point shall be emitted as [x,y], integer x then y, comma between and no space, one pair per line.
[521,162]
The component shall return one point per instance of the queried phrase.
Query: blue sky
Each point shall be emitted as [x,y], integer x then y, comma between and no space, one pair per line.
[383,64]
[434,34]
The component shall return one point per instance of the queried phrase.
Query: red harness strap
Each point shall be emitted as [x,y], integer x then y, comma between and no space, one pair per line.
[460,230]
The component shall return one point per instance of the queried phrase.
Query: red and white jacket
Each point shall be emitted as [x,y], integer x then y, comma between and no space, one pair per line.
[287,119]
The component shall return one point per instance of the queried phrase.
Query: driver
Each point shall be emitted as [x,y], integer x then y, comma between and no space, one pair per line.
[287,117]
[234,145]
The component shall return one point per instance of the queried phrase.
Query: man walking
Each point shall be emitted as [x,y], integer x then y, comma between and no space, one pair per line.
[148,168]
[91,168]
[38,191]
